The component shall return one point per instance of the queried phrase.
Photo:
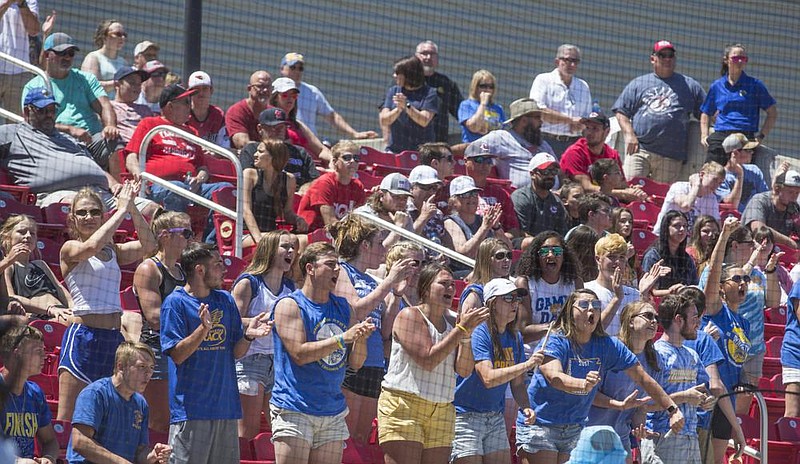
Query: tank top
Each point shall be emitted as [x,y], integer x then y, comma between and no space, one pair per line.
[405,375]
[32,280]
[108,67]
[150,336]
[263,300]
[364,285]
[94,285]
[469,230]
[264,202]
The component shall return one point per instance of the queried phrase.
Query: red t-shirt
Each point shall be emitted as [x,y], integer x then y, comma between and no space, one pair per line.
[326,190]
[493,194]
[168,156]
[577,158]
[240,118]
[297,137]
[211,126]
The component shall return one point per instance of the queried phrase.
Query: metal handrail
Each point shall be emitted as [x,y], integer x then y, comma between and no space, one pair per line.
[417,238]
[11,116]
[193,196]
[30,67]
[763,453]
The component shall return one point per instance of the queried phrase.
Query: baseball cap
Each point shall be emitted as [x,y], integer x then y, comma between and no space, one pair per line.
[500,287]
[521,107]
[661,45]
[478,149]
[272,117]
[789,179]
[39,97]
[463,184]
[292,58]
[598,117]
[153,66]
[738,141]
[396,184]
[598,444]
[59,42]
[424,175]
[199,78]
[542,160]
[126,71]
[174,92]
[142,47]
[283,84]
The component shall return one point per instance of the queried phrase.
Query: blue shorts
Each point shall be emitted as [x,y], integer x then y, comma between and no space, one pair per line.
[479,434]
[560,438]
[254,370]
[88,353]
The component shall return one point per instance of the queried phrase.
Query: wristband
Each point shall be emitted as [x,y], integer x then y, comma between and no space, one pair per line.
[761,136]
[459,326]
[340,341]
[250,340]
[772,271]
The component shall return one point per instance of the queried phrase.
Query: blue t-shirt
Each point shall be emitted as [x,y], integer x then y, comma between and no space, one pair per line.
[75,95]
[737,106]
[556,407]
[733,343]
[681,369]
[471,393]
[24,415]
[208,376]
[709,353]
[364,285]
[476,288]
[659,110]
[313,388]
[120,425]
[751,309]
[493,115]
[790,349]
[405,133]
[618,385]
[752,183]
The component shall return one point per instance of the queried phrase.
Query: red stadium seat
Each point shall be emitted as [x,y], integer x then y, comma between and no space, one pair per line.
[776,315]
[226,197]
[789,429]
[49,251]
[370,155]
[319,235]
[63,430]
[774,346]
[790,256]
[369,180]
[221,169]
[128,300]
[48,383]
[771,330]
[263,448]
[382,170]
[20,193]
[407,159]
[650,186]
[725,214]
[246,449]
[644,213]
[772,366]
[233,268]
[53,333]
[642,239]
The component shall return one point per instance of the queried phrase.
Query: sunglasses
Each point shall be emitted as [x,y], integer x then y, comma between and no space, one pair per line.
[297,67]
[571,60]
[482,159]
[428,187]
[471,194]
[159,74]
[188,234]
[737,279]
[546,250]
[501,255]
[665,54]
[83,213]
[511,298]
[584,305]
[350,157]
[68,52]
[738,59]
[547,172]
[649,316]
[485,86]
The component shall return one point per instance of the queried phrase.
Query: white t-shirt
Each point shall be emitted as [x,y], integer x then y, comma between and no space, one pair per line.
[14,37]
[629,294]
[707,204]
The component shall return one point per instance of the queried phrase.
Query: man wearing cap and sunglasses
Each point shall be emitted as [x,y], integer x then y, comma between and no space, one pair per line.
[536,206]
[653,112]
[128,85]
[743,179]
[515,145]
[777,209]
[84,110]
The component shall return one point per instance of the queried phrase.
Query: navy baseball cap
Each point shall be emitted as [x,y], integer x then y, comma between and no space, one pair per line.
[174,92]
[126,71]
[40,98]
[272,117]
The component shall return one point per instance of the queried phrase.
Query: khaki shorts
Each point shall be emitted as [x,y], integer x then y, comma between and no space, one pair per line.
[316,430]
[407,417]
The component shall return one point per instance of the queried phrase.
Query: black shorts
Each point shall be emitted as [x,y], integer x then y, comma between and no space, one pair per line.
[365,381]
[720,427]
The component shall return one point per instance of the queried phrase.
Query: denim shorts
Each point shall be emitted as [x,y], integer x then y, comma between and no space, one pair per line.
[254,370]
[560,438]
[479,434]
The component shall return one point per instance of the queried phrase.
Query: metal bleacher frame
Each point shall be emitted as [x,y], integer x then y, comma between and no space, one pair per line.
[10,115]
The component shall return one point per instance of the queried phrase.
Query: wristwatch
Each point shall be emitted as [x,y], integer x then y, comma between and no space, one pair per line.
[672,410]
[408,105]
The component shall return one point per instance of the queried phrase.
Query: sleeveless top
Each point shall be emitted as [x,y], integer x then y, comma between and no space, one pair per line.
[263,202]
[364,285]
[150,336]
[315,387]
[469,230]
[32,280]
[108,67]
[405,375]
[263,300]
[94,285]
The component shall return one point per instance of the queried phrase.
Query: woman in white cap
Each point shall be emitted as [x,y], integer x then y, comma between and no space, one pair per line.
[104,62]
[499,360]
[466,227]
[284,96]
[389,203]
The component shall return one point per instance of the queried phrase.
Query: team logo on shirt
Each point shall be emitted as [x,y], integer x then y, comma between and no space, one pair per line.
[682,376]
[325,330]
[215,340]
[341,209]
[138,418]
[659,100]
[738,345]
[579,367]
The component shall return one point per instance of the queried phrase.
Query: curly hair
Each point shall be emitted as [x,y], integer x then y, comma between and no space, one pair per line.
[529,262]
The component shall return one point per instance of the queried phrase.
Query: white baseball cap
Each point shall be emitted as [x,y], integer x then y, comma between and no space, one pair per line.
[424,174]
[463,184]
[500,287]
[396,184]
[199,78]
[542,160]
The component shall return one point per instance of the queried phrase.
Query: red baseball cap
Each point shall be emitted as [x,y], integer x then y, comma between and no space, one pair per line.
[661,45]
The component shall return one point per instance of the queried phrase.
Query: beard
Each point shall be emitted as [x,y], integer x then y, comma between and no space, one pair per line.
[545,184]
[689,334]
[532,134]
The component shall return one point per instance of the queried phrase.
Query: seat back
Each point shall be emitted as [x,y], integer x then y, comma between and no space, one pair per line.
[262,446]
[53,333]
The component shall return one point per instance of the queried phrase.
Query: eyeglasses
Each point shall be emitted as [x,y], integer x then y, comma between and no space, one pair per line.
[547,172]
[737,279]
[187,233]
[570,60]
[118,34]
[350,157]
[663,55]
[511,298]
[159,74]
[546,250]
[83,213]
[738,59]
[68,52]
[485,86]
[482,159]
[649,316]
[501,255]
[584,305]
[297,67]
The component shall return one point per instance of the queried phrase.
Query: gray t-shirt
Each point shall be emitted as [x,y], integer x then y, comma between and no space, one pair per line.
[47,163]
[760,208]
[659,110]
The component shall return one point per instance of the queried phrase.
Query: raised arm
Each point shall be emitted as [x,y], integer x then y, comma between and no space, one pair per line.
[713,302]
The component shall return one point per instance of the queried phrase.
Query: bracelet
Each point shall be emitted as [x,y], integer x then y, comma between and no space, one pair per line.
[766,271]
[465,340]
[249,340]
[340,341]
[459,326]
[761,136]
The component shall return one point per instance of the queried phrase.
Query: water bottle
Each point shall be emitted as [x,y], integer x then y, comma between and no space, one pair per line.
[596,107]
